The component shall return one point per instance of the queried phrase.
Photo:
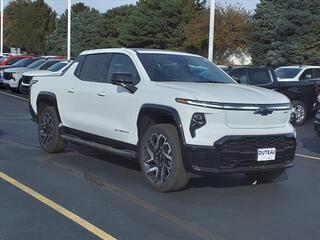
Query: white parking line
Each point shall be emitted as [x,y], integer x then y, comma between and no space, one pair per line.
[306,156]
[11,95]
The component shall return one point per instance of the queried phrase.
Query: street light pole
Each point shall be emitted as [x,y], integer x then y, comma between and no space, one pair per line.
[69,30]
[211,30]
[1,31]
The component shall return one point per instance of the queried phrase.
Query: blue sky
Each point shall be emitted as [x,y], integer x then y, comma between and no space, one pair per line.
[104,5]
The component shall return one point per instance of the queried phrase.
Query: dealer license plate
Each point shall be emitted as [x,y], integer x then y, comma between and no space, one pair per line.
[266,154]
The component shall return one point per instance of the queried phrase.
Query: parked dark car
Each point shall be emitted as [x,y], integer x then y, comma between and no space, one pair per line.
[303,94]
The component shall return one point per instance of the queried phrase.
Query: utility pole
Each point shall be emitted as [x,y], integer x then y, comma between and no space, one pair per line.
[1,31]
[211,30]
[69,30]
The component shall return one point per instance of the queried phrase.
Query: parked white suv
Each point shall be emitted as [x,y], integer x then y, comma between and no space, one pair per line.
[175,112]
[298,73]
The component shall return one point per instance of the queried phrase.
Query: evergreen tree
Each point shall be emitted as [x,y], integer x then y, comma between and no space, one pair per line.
[285,32]
[84,33]
[158,24]
[28,24]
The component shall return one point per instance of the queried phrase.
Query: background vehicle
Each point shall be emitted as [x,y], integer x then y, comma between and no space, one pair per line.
[301,93]
[298,73]
[182,114]
[13,59]
[55,69]
[12,77]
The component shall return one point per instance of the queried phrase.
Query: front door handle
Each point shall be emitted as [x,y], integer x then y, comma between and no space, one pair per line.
[101,94]
[71,90]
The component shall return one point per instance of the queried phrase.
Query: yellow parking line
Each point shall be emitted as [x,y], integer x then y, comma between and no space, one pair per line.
[65,212]
[306,156]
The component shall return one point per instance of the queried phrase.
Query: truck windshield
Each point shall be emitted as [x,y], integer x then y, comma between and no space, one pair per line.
[182,68]
[287,72]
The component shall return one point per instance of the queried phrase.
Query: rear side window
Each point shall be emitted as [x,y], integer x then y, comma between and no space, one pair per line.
[121,63]
[48,64]
[240,75]
[317,73]
[261,77]
[93,67]
[12,61]
[306,75]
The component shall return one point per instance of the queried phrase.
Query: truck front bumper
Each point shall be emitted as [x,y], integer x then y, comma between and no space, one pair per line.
[238,154]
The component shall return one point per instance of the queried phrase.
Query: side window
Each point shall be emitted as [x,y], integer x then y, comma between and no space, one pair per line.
[261,77]
[79,60]
[93,67]
[240,75]
[47,65]
[121,63]
[306,75]
[317,73]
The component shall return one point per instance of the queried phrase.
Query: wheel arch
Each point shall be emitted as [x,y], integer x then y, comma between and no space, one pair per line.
[150,114]
[47,99]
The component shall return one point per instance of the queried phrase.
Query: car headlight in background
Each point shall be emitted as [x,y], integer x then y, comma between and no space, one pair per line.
[318,98]
[32,82]
[14,76]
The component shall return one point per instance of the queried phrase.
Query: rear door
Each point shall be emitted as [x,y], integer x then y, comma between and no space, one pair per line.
[82,95]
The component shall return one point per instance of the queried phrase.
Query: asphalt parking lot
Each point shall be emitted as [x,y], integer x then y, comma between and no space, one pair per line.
[87,194]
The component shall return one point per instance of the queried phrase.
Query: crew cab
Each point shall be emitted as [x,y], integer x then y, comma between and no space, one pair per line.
[303,94]
[176,113]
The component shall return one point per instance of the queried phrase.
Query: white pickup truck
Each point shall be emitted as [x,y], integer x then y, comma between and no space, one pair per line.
[177,113]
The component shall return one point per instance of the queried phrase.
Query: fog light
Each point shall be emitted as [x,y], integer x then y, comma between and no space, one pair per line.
[198,120]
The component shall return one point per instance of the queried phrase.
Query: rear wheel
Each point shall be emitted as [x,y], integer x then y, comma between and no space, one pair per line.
[20,87]
[161,159]
[49,137]
[265,176]
[300,112]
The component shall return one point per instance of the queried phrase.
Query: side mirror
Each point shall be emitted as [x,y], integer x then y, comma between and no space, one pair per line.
[125,80]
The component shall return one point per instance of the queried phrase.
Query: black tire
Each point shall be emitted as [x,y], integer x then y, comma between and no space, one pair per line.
[48,133]
[300,111]
[265,176]
[173,175]
[20,87]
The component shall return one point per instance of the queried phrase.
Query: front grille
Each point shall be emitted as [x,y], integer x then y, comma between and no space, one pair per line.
[26,79]
[242,151]
[7,76]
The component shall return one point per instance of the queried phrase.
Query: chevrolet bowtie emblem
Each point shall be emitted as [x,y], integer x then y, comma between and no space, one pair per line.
[263,111]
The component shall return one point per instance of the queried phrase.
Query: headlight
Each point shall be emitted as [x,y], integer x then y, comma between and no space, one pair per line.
[14,76]
[318,98]
[32,82]
[234,106]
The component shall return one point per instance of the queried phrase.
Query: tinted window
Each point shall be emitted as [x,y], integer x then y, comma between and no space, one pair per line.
[306,75]
[260,77]
[240,75]
[317,73]
[25,62]
[122,64]
[36,64]
[287,72]
[57,67]
[12,61]
[94,66]
[48,64]
[182,68]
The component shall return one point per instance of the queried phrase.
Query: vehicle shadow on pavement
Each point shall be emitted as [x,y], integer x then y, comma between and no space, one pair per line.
[228,181]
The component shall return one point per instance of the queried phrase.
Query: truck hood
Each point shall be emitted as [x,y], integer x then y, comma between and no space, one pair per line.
[39,73]
[227,93]
[17,70]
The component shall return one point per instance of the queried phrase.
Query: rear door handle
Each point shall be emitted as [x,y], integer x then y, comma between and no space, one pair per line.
[101,94]
[71,90]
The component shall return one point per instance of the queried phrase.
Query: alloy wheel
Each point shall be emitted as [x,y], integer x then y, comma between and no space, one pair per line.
[299,113]
[46,129]
[157,158]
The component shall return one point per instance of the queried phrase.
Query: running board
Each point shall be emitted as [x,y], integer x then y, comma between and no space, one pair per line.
[122,153]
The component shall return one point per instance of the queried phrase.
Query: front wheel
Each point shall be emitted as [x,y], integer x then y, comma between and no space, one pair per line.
[300,112]
[160,158]
[265,176]
[49,137]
